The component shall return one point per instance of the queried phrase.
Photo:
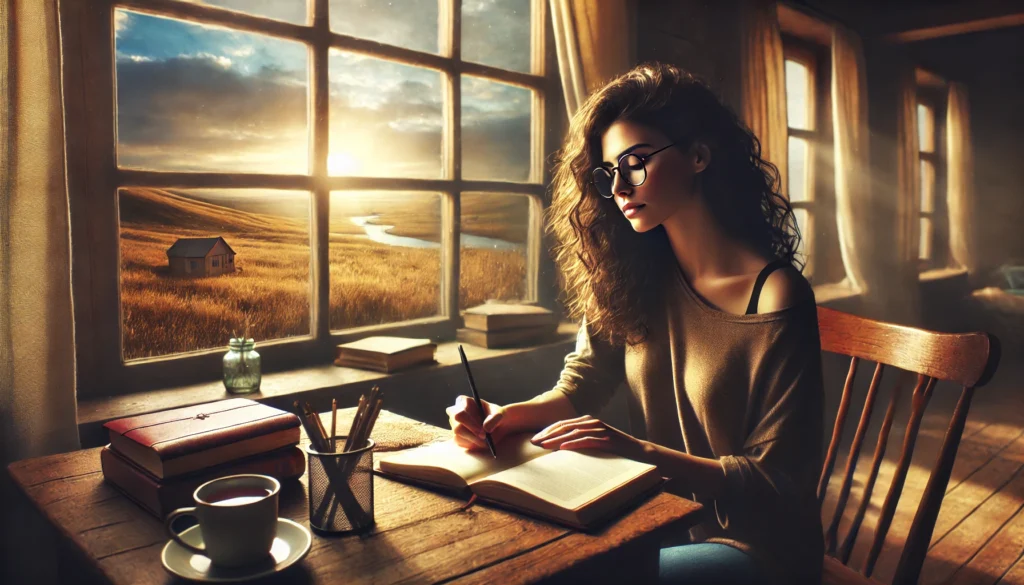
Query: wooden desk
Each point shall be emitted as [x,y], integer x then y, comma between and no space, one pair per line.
[420,536]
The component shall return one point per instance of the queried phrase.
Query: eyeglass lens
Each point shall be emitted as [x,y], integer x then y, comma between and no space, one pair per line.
[631,168]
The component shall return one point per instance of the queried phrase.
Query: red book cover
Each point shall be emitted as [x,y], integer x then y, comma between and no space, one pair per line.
[161,497]
[183,440]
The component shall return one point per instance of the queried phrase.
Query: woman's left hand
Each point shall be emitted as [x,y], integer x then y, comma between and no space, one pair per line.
[587,432]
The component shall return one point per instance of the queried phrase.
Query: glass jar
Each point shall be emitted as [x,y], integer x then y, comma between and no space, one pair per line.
[242,367]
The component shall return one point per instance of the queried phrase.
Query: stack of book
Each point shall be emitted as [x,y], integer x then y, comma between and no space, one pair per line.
[506,325]
[385,354]
[159,459]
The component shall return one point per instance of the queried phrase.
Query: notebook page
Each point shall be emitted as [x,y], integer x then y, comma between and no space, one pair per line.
[570,479]
[469,465]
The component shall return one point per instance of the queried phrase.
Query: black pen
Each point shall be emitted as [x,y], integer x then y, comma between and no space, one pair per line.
[479,404]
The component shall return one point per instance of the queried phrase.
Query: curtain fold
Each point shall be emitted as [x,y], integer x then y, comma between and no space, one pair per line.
[763,86]
[960,179]
[37,351]
[594,42]
[854,207]
[37,365]
[908,172]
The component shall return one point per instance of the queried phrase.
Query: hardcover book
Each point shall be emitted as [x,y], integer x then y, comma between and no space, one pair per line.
[384,353]
[498,316]
[581,489]
[161,497]
[175,442]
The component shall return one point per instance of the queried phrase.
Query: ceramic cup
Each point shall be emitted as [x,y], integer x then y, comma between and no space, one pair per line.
[237,517]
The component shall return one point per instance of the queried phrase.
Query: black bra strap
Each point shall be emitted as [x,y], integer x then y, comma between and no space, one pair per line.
[761,278]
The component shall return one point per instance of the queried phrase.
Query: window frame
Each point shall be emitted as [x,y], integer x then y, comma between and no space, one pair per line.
[934,99]
[93,179]
[820,231]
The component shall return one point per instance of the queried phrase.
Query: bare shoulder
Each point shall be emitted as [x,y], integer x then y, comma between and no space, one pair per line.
[784,288]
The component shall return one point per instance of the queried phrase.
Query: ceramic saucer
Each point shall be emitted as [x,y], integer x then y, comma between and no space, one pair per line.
[290,546]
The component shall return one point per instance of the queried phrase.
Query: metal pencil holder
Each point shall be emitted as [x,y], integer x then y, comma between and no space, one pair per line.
[341,489]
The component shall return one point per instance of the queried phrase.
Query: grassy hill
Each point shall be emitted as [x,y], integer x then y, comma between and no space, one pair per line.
[370,283]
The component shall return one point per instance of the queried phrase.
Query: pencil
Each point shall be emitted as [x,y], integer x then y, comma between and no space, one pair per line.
[334,424]
[479,404]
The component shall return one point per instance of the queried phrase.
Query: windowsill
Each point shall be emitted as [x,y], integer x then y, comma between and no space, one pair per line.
[941,274]
[315,384]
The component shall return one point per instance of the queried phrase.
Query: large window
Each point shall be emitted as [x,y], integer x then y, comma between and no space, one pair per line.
[363,164]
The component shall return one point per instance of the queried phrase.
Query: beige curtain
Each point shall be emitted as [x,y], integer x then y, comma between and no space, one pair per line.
[960,179]
[594,41]
[852,187]
[764,83]
[908,172]
[37,351]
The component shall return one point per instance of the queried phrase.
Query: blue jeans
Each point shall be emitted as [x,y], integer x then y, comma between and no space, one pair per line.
[708,562]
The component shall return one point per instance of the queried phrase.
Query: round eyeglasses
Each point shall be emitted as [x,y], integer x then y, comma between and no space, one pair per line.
[631,168]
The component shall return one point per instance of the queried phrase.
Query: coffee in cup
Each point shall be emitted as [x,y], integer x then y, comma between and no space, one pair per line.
[237,517]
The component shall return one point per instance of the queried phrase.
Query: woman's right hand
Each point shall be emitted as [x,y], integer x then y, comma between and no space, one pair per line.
[468,427]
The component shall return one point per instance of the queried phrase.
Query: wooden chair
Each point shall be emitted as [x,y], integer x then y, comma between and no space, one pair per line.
[969,359]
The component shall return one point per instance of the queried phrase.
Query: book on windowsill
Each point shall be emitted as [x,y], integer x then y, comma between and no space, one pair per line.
[159,497]
[496,316]
[385,354]
[581,489]
[507,337]
[182,440]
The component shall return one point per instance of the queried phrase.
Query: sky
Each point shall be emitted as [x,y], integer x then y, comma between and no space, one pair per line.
[195,97]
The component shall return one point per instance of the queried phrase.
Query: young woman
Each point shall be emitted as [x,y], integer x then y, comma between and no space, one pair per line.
[677,254]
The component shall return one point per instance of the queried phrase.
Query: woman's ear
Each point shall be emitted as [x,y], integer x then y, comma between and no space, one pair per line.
[701,157]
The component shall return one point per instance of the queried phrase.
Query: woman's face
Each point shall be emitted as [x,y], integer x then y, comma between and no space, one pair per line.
[670,179]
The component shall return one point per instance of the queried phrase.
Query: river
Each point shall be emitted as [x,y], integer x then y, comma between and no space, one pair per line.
[380,233]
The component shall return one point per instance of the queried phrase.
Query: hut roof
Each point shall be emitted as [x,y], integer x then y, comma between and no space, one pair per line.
[195,247]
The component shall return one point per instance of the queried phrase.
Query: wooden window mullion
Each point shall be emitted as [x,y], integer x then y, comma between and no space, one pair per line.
[319,118]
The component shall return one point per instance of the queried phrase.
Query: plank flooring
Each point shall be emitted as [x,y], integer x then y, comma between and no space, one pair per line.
[979,534]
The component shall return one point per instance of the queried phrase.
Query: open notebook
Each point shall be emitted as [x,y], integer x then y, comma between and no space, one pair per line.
[577,488]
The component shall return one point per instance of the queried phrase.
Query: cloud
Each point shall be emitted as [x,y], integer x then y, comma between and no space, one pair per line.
[197,111]
[122,20]
[218,59]
[497,33]
[192,113]
[246,51]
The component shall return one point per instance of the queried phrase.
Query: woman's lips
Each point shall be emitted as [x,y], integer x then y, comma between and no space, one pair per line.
[633,210]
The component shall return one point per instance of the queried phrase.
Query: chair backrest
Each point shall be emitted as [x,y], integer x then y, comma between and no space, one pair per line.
[969,359]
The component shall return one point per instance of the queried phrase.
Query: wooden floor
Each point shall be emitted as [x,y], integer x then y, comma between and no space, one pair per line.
[979,534]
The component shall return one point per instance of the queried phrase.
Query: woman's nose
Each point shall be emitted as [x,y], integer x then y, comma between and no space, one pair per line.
[619,185]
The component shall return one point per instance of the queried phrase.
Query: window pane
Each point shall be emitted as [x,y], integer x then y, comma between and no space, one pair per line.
[925,245]
[412,24]
[492,263]
[927,186]
[798,90]
[497,33]
[495,130]
[174,299]
[386,118]
[925,128]
[385,257]
[803,222]
[287,10]
[798,169]
[198,98]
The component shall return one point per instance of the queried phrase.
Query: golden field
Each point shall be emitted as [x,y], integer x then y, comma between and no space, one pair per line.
[370,282]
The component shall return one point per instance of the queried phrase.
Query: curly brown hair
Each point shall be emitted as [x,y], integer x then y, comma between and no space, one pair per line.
[611,275]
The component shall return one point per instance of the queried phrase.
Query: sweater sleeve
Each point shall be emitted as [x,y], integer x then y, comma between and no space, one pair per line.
[780,460]
[591,372]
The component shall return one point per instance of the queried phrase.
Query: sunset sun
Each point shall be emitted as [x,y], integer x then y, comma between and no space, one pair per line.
[341,163]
